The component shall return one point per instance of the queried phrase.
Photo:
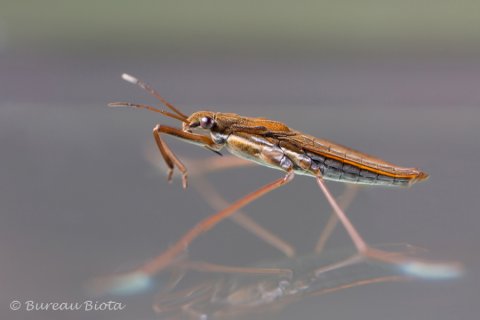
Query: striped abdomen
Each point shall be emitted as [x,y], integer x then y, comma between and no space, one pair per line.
[339,170]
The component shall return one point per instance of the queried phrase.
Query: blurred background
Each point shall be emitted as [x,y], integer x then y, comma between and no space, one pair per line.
[78,197]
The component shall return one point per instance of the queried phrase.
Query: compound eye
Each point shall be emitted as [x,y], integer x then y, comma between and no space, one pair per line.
[206,123]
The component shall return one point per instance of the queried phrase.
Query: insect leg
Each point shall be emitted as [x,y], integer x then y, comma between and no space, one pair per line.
[358,241]
[166,258]
[140,278]
[169,156]
[358,283]
[409,265]
[217,202]
[198,168]
[344,202]
[178,303]
[215,163]
[217,268]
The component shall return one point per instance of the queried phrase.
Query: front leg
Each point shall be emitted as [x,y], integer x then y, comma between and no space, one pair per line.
[170,158]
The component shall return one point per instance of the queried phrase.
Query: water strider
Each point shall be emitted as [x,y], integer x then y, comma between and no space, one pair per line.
[273,144]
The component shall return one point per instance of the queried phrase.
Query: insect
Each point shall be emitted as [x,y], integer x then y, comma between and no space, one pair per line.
[275,145]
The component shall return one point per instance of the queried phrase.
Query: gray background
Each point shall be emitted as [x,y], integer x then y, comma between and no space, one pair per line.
[78,198]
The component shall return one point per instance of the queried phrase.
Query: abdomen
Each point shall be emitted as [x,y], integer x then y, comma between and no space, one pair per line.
[350,172]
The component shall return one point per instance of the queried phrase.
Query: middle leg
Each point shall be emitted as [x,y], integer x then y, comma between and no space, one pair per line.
[205,225]
[140,278]
[199,168]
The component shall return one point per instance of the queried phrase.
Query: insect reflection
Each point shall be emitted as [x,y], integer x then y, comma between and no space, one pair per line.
[267,288]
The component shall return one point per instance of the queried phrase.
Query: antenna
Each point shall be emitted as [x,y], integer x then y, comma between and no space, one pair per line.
[144,106]
[145,86]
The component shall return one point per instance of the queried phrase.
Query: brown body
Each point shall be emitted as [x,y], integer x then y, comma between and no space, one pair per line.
[275,145]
